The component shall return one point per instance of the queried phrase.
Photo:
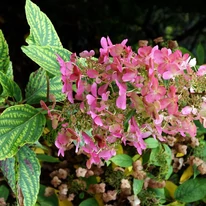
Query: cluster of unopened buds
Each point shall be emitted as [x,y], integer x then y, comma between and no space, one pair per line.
[123,97]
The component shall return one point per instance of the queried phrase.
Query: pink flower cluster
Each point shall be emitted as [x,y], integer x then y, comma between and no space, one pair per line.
[122,82]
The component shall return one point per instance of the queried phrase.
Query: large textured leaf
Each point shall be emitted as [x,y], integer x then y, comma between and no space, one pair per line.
[191,190]
[19,125]
[7,167]
[4,54]
[36,89]
[46,56]
[10,88]
[28,175]
[42,31]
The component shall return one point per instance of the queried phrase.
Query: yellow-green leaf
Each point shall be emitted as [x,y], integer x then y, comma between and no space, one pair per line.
[19,125]
[7,167]
[42,32]
[171,187]
[36,88]
[46,56]
[4,54]
[186,174]
[10,88]
[28,175]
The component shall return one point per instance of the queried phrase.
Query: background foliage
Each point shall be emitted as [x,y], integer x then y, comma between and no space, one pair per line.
[82,23]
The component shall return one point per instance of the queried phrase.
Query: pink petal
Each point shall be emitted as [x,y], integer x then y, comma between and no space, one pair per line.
[121,101]
[92,73]
[102,89]
[90,99]
[201,71]
[187,110]
[94,89]
[128,76]
[103,42]
[98,121]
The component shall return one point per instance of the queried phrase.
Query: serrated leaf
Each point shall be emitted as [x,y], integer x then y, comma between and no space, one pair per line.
[10,88]
[46,56]
[200,52]
[89,202]
[42,31]
[122,160]
[28,175]
[137,186]
[19,125]
[4,54]
[7,167]
[36,88]
[191,190]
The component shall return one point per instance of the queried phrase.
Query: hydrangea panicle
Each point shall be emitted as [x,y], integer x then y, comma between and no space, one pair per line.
[125,96]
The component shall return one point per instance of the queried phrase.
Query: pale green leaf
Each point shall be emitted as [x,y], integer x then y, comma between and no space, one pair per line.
[137,186]
[36,88]
[42,32]
[4,54]
[19,125]
[151,142]
[122,160]
[28,175]
[46,56]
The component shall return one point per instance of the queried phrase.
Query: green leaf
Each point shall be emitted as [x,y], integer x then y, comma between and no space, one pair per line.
[185,51]
[137,186]
[159,194]
[42,31]
[19,125]
[46,56]
[47,158]
[36,88]
[46,201]
[200,52]
[28,175]
[7,167]
[4,192]
[200,129]
[10,88]
[122,160]
[151,142]
[191,190]
[9,72]
[4,54]
[89,202]
[128,117]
